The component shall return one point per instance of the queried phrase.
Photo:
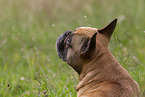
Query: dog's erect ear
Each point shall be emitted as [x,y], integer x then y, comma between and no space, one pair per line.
[108,30]
[88,47]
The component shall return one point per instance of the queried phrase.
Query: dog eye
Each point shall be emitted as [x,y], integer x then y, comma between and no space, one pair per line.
[68,41]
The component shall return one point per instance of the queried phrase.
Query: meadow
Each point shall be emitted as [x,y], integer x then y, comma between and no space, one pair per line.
[29,65]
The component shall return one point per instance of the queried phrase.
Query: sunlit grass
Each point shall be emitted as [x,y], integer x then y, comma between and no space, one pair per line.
[29,63]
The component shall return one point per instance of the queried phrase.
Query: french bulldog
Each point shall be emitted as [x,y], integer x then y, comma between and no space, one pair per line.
[100,74]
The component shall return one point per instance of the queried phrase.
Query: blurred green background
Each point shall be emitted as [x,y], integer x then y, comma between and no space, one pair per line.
[29,65]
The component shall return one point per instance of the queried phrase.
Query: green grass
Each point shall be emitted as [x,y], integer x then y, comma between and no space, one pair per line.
[29,65]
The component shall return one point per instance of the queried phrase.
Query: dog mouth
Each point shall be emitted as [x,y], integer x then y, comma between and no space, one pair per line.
[60,45]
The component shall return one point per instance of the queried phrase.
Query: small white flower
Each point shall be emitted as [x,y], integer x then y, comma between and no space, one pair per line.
[22,78]
[121,18]
[53,25]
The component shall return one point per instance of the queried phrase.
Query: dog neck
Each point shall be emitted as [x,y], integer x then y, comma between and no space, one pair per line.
[91,70]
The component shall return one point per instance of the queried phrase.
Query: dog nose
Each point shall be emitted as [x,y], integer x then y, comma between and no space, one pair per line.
[60,45]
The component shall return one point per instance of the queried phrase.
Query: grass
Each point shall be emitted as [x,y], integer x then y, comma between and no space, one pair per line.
[29,65]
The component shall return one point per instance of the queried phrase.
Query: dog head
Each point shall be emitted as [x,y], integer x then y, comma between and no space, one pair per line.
[80,46]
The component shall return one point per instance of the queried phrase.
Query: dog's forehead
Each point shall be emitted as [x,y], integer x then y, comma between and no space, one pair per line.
[86,30]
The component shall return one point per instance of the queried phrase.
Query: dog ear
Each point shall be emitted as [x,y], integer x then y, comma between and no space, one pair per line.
[89,47]
[108,30]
